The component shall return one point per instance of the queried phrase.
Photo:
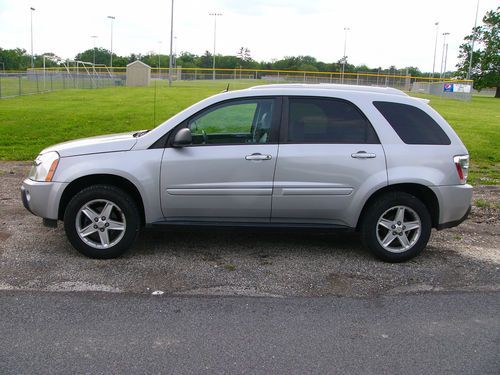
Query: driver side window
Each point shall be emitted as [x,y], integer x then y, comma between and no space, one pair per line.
[235,122]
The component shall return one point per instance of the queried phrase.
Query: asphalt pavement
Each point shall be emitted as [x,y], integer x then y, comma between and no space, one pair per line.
[117,333]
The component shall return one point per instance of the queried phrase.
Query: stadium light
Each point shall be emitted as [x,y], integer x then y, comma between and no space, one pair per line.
[435,49]
[344,58]
[94,37]
[31,19]
[215,15]
[443,53]
[112,18]
[472,43]
[171,41]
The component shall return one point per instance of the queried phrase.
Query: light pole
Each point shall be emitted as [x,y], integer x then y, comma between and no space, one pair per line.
[215,14]
[31,21]
[94,37]
[472,43]
[435,49]
[112,18]
[171,42]
[442,56]
[344,58]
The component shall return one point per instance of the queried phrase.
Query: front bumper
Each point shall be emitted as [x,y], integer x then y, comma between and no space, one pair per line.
[454,204]
[42,198]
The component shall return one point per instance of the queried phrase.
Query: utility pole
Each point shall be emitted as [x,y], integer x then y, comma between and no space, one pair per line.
[445,59]
[435,49]
[171,42]
[344,58]
[32,56]
[112,18]
[442,55]
[94,37]
[215,14]
[472,43]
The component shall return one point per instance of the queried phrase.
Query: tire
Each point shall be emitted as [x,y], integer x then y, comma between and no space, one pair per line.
[396,227]
[102,221]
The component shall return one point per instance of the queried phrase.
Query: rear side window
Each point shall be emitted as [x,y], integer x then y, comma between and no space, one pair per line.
[414,126]
[320,120]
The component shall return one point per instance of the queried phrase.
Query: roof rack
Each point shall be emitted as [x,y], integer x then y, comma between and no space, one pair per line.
[331,86]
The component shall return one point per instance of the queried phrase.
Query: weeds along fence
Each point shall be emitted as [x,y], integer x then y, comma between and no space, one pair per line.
[41,80]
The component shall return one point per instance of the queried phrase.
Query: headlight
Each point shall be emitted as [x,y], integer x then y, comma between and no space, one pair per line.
[44,166]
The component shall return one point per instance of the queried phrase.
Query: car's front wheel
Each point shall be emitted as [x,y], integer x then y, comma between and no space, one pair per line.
[101,221]
[396,227]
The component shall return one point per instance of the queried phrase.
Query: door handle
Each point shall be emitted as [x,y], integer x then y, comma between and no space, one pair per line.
[363,155]
[258,156]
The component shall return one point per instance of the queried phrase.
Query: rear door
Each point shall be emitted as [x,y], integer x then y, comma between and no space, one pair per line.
[329,159]
[227,173]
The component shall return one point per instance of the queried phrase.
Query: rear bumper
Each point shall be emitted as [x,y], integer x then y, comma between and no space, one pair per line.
[454,204]
[452,224]
[42,198]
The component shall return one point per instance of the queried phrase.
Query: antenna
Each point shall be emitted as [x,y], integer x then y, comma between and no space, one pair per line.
[227,88]
[154,105]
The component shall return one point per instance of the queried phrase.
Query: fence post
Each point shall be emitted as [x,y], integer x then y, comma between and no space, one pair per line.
[20,86]
[357,79]
[304,77]
[51,83]
[0,86]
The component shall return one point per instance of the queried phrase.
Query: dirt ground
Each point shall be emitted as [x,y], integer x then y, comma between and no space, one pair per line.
[245,262]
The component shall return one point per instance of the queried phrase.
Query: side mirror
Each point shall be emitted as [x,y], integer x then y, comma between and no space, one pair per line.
[182,138]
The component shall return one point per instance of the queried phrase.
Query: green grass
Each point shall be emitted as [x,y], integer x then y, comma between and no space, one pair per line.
[30,123]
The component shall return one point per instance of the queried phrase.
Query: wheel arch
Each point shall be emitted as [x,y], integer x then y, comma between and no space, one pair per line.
[101,179]
[422,192]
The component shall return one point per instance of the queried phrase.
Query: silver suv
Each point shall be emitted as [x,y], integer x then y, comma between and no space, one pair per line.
[325,156]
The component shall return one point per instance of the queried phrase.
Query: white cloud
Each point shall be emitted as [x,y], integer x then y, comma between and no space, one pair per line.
[383,32]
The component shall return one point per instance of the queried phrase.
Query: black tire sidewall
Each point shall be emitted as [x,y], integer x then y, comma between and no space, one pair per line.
[373,213]
[118,197]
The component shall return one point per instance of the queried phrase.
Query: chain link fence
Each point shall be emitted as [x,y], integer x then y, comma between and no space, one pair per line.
[43,80]
[38,81]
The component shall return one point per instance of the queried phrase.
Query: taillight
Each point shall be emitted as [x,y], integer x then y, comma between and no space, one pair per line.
[462,165]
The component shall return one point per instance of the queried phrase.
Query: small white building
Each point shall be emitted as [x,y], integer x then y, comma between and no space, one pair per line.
[138,74]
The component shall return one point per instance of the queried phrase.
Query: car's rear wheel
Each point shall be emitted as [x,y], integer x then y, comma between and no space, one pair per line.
[396,227]
[101,221]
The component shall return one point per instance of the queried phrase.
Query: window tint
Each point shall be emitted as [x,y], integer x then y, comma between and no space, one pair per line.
[413,125]
[318,120]
[242,121]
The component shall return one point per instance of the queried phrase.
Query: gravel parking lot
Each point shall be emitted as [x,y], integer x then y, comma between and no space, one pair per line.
[244,262]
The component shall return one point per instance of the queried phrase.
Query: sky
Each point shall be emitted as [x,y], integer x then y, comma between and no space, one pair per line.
[381,32]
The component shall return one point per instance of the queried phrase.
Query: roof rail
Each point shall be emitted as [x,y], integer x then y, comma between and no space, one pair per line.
[331,86]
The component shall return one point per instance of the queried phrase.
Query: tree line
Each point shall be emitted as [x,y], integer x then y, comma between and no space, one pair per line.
[19,59]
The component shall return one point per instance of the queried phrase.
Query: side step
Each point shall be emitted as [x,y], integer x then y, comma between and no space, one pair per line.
[237,224]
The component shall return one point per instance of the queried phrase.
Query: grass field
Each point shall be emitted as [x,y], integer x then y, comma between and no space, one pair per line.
[30,123]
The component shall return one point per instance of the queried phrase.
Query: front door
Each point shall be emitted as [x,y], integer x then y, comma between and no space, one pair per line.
[226,174]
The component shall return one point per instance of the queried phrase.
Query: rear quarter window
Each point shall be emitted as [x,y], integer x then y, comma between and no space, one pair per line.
[413,126]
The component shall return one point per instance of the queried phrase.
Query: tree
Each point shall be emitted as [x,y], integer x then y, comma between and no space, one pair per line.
[14,59]
[485,67]
[244,54]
